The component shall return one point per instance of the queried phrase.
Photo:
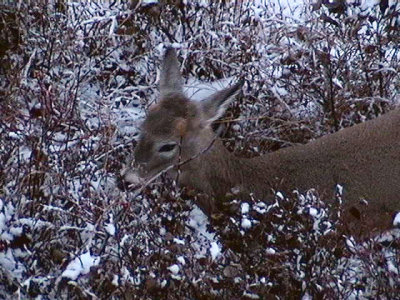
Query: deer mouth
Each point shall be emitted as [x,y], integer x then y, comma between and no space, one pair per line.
[129,180]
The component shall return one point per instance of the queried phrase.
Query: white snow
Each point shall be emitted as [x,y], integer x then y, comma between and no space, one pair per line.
[205,240]
[339,189]
[174,269]
[80,265]
[16,231]
[279,195]
[396,220]
[351,244]
[14,135]
[306,296]
[206,243]
[260,207]
[181,260]
[250,295]
[245,208]
[288,8]
[392,267]
[110,227]
[215,250]
[164,283]
[179,241]
[115,280]
[313,212]
[8,262]
[246,223]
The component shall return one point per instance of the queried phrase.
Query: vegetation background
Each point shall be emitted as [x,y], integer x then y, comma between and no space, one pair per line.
[76,79]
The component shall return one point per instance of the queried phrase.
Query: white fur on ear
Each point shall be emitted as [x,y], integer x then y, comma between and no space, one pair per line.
[215,106]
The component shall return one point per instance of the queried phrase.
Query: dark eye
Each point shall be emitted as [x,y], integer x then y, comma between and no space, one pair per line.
[167,147]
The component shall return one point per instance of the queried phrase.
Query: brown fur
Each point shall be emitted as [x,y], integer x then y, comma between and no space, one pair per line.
[364,159]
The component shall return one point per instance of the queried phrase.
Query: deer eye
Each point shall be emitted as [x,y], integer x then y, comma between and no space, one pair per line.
[167,147]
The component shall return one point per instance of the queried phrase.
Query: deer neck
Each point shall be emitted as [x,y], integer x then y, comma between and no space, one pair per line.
[219,172]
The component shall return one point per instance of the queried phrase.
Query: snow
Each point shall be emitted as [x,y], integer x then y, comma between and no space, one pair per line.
[396,220]
[366,4]
[164,283]
[80,266]
[179,241]
[306,296]
[110,227]
[199,222]
[174,269]
[392,267]
[249,295]
[246,223]
[115,280]
[245,208]
[279,195]
[147,2]
[25,153]
[339,189]
[16,231]
[351,244]
[288,8]
[313,212]
[7,232]
[215,250]
[270,251]
[125,119]
[181,260]
[260,207]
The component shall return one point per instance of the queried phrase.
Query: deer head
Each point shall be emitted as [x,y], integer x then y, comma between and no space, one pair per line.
[176,130]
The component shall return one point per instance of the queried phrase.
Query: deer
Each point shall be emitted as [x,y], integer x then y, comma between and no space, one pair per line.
[177,138]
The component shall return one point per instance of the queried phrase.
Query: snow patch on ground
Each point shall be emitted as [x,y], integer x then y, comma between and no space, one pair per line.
[206,242]
[215,250]
[80,265]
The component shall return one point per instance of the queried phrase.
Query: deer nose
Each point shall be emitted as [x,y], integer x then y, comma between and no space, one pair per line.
[129,180]
[132,176]
[121,183]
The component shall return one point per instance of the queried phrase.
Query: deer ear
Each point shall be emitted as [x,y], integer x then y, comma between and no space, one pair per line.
[170,77]
[214,106]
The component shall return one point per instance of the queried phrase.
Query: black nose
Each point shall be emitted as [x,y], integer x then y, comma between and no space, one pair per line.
[121,183]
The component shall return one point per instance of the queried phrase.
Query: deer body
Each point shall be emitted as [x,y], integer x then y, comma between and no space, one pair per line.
[364,159]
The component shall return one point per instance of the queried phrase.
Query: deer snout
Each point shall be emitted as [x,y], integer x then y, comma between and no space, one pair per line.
[130,178]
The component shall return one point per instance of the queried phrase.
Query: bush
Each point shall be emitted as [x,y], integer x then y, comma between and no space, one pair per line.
[77,78]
